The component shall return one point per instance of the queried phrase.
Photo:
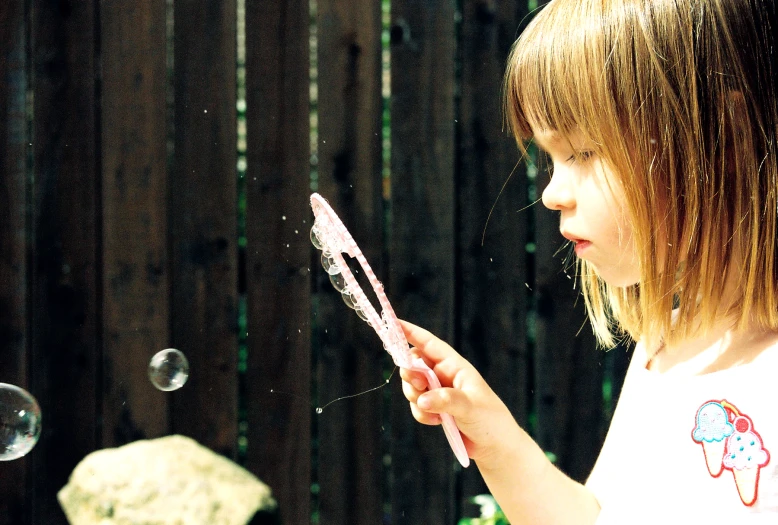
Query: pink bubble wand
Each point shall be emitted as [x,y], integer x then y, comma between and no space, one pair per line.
[331,236]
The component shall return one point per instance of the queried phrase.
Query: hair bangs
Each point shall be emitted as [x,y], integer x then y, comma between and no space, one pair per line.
[555,78]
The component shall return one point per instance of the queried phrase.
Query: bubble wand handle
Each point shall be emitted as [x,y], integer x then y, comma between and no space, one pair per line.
[330,235]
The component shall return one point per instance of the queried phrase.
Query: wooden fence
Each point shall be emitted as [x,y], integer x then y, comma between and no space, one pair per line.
[121,233]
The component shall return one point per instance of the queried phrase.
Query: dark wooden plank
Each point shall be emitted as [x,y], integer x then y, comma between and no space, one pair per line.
[568,366]
[492,188]
[203,211]
[350,360]
[136,278]
[278,252]
[15,493]
[65,308]
[422,244]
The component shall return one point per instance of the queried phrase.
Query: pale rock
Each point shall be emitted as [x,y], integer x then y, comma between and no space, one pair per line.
[167,481]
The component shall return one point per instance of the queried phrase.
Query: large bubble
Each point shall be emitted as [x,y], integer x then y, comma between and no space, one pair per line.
[168,369]
[20,422]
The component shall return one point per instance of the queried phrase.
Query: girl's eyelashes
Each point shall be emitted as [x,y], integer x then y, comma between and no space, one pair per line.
[580,156]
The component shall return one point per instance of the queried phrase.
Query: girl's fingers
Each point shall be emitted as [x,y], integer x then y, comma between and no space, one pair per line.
[410,392]
[416,379]
[427,344]
[425,418]
[444,400]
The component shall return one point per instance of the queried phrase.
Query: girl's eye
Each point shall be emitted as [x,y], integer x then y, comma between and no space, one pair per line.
[580,156]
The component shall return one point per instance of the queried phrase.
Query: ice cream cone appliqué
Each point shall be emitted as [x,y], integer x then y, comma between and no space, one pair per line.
[711,431]
[745,456]
[730,442]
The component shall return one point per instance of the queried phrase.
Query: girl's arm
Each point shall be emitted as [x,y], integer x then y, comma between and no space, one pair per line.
[528,487]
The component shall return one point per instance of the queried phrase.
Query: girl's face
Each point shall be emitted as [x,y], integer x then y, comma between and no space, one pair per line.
[591,205]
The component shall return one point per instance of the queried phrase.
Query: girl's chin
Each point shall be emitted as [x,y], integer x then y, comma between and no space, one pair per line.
[616,279]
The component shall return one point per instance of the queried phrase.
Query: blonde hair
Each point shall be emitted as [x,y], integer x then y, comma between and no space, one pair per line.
[679,98]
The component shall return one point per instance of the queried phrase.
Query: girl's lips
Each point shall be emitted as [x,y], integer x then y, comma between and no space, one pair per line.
[581,246]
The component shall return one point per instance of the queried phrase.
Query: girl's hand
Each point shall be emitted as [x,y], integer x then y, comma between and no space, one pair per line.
[482,418]
[525,483]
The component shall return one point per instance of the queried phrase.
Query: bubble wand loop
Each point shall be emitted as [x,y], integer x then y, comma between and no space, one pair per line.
[331,236]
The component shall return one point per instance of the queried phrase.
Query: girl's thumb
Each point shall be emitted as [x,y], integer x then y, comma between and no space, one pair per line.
[440,400]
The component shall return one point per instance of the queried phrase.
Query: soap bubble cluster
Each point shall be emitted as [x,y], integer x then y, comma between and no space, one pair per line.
[324,237]
[20,422]
[168,369]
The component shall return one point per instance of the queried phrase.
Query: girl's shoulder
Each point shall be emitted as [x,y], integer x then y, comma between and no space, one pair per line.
[750,356]
[743,353]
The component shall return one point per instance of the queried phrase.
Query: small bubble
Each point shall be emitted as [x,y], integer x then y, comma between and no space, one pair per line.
[349,299]
[297,232]
[319,410]
[168,369]
[283,217]
[338,282]
[20,422]
[361,313]
[329,265]
[316,238]
[205,111]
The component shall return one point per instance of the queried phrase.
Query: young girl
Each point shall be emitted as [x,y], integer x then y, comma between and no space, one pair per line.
[660,120]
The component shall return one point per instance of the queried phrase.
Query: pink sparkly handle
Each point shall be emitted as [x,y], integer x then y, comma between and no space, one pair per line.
[331,236]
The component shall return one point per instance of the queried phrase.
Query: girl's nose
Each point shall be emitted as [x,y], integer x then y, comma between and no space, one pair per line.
[559,195]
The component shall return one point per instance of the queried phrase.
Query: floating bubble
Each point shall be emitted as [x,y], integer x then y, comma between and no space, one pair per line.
[20,422]
[168,369]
